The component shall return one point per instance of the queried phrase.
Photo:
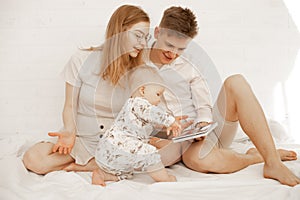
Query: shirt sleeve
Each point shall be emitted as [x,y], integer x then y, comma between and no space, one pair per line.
[201,98]
[71,70]
[153,114]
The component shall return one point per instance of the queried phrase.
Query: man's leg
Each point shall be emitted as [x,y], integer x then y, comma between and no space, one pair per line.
[218,160]
[41,160]
[241,105]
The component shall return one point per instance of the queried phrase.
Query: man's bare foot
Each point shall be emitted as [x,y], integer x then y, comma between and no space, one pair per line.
[99,177]
[281,173]
[285,155]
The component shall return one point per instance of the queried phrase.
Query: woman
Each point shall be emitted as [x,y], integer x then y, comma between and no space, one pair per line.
[86,115]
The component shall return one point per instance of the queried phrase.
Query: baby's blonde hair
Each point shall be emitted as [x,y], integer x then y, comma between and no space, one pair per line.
[142,76]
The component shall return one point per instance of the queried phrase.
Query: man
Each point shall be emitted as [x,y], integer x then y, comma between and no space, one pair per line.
[189,95]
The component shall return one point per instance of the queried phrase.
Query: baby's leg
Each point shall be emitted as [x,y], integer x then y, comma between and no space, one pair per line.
[162,175]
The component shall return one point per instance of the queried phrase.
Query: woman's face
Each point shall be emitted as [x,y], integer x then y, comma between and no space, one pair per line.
[137,38]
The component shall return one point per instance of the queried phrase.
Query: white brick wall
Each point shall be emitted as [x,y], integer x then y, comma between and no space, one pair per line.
[254,37]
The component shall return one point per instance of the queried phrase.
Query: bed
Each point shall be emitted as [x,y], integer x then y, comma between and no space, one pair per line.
[17,183]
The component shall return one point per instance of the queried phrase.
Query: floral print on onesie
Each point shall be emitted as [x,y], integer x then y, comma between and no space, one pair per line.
[124,147]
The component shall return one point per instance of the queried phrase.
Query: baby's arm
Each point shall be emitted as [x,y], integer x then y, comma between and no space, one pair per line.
[175,128]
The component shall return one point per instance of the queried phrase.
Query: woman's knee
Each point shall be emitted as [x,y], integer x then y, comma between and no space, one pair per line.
[34,158]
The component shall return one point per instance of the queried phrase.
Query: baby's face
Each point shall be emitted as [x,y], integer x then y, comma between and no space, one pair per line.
[153,93]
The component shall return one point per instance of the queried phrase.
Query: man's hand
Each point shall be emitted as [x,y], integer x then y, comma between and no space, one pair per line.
[200,125]
[64,143]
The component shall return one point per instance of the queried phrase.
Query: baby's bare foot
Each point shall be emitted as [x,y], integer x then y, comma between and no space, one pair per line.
[98,177]
[70,167]
[172,178]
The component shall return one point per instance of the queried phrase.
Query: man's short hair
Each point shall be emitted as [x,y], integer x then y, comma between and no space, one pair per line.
[181,21]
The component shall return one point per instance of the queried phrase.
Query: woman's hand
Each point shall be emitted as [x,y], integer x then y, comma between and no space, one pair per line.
[65,142]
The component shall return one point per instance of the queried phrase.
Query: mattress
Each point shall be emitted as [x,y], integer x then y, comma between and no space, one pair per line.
[18,183]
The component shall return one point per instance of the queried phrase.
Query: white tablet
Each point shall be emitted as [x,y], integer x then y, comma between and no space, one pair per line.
[195,133]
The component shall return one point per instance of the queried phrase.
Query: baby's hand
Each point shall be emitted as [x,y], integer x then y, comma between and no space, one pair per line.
[175,128]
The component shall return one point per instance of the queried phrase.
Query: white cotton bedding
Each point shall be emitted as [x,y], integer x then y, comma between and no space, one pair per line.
[17,183]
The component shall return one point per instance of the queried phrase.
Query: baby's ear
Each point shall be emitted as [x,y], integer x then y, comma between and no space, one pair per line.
[142,90]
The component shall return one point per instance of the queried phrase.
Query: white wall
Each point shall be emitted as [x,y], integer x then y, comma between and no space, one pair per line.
[257,38]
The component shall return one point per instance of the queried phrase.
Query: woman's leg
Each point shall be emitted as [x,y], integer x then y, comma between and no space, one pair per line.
[41,160]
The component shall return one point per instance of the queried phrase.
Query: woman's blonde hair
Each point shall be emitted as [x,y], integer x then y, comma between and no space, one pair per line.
[115,60]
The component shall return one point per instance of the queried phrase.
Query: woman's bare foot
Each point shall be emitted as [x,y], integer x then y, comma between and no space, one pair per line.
[99,177]
[285,155]
[281,173]
[90,166]
[72,167]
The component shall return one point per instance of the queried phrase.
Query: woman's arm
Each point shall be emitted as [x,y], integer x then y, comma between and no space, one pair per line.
[66,137]
[70,108]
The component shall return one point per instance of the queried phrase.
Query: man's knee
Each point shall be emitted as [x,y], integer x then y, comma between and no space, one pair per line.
[235,81]
[191,158]
[210,162]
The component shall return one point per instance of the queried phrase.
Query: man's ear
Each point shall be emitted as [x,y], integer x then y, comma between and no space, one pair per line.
[142,90]
[156,32]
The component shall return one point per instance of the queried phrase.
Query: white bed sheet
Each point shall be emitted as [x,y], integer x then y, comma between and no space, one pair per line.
[17,183]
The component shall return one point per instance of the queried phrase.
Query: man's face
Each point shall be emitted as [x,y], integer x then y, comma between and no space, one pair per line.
[168,47]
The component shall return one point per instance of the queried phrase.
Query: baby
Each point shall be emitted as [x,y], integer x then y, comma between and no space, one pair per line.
[124,148]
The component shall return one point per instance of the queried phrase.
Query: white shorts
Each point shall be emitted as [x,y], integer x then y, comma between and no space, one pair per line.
[222,136]
[79,151]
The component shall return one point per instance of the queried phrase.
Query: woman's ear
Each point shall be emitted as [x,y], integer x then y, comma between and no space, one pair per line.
[142,90]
